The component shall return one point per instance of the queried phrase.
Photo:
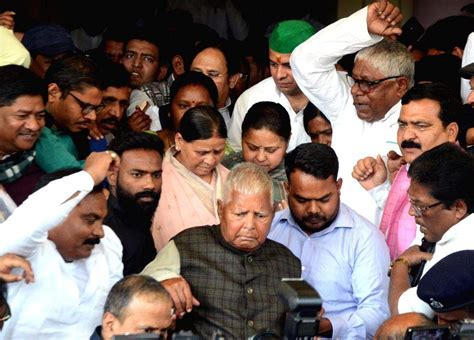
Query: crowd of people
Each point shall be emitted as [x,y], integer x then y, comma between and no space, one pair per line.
[150,187]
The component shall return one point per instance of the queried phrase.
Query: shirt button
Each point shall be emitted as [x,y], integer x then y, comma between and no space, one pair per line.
[249,291]
[250,259]
[250,323]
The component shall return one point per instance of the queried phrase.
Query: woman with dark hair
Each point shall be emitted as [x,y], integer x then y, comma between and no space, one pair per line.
[317,125]
[188,90]
[266,130]
[193,177]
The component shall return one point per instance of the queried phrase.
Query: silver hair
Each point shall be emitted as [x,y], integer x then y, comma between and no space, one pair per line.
[248,179]
[391,58]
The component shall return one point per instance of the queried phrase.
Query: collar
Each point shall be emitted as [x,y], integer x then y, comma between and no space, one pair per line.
[459,230]
[394,112]
[225,108]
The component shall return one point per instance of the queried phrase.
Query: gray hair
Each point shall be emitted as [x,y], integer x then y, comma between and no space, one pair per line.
[248,179]
[391,58]
[123,292]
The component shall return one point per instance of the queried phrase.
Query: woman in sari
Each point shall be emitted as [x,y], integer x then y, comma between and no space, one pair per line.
[192,175]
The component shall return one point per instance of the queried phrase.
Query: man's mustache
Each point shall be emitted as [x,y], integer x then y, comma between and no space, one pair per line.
[151,194]
[92,241]
[409,144]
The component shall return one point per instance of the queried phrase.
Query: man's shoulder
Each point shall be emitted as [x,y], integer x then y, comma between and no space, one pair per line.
[264,90]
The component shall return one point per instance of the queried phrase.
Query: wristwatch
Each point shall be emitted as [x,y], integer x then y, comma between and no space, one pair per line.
[400,259]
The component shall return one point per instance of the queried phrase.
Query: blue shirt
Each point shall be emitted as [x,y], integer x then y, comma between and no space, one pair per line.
[347,264]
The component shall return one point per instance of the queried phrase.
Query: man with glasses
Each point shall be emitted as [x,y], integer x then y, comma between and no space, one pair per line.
[441,195]
[74,98]
[363,108]
[281,87]
[428,118]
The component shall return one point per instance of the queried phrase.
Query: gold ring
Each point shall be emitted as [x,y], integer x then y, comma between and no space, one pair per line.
[112,154]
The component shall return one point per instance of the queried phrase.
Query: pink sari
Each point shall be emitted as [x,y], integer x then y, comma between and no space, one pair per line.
[186,200]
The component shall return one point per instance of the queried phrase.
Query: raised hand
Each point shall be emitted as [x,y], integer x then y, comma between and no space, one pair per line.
[370,172]
[383,18]
[98,163]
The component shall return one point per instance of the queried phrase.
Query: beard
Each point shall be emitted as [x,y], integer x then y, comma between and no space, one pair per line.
[133,206]
[307,222]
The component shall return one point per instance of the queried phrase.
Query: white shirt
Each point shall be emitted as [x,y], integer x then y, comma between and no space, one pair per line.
[59,304]
[459,237]
[265,91]
[313,64]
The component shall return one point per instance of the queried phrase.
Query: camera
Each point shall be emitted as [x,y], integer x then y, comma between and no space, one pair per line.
[462,330]
[304,305]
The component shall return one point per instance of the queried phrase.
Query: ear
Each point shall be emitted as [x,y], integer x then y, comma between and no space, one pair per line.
[54,93]
[108,325]
[234,79]
[112,175]
[162,72]
[339,185]
[461,209]
[178,141]
[403,84]
[177,63]
[452,129]
[458,52]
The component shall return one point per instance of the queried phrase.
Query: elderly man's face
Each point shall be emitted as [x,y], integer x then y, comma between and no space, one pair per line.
[373,105]
[76,237]
[144,314]
[21,124]
[246,219]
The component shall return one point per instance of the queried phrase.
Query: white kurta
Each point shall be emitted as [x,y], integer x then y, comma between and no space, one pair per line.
[458,237]
[313,64]
[265,91]
[66,300]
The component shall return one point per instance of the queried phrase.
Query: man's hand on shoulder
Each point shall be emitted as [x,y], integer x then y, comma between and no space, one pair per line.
[370,172]
[181,294]
[383,18]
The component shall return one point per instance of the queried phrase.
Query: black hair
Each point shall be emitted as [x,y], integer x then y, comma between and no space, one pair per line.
[231,58]
[270,116]
[136,140]
[47,178]
[124,290]
[113,75]
[451,106]
[73,73]
[447,171]
[202,122]
[311,112]
[317,160]
[146,34]
[17,81]
[194,78]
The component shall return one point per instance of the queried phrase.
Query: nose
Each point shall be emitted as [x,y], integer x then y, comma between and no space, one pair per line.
[137,62]
[149,183]
[260,155]
[470,98]
[92,116]
[280,73]
[249,222]
[114,109]
[409,133]
[34,124]
[211,159]
[356,91]
[313,207]
[98,230]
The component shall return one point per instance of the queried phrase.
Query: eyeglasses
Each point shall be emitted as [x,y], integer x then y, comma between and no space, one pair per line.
[419,211]
[210,74]
[366,85]
[87,108]
[7,314]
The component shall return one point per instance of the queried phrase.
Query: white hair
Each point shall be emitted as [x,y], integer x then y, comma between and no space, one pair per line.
[248,179]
